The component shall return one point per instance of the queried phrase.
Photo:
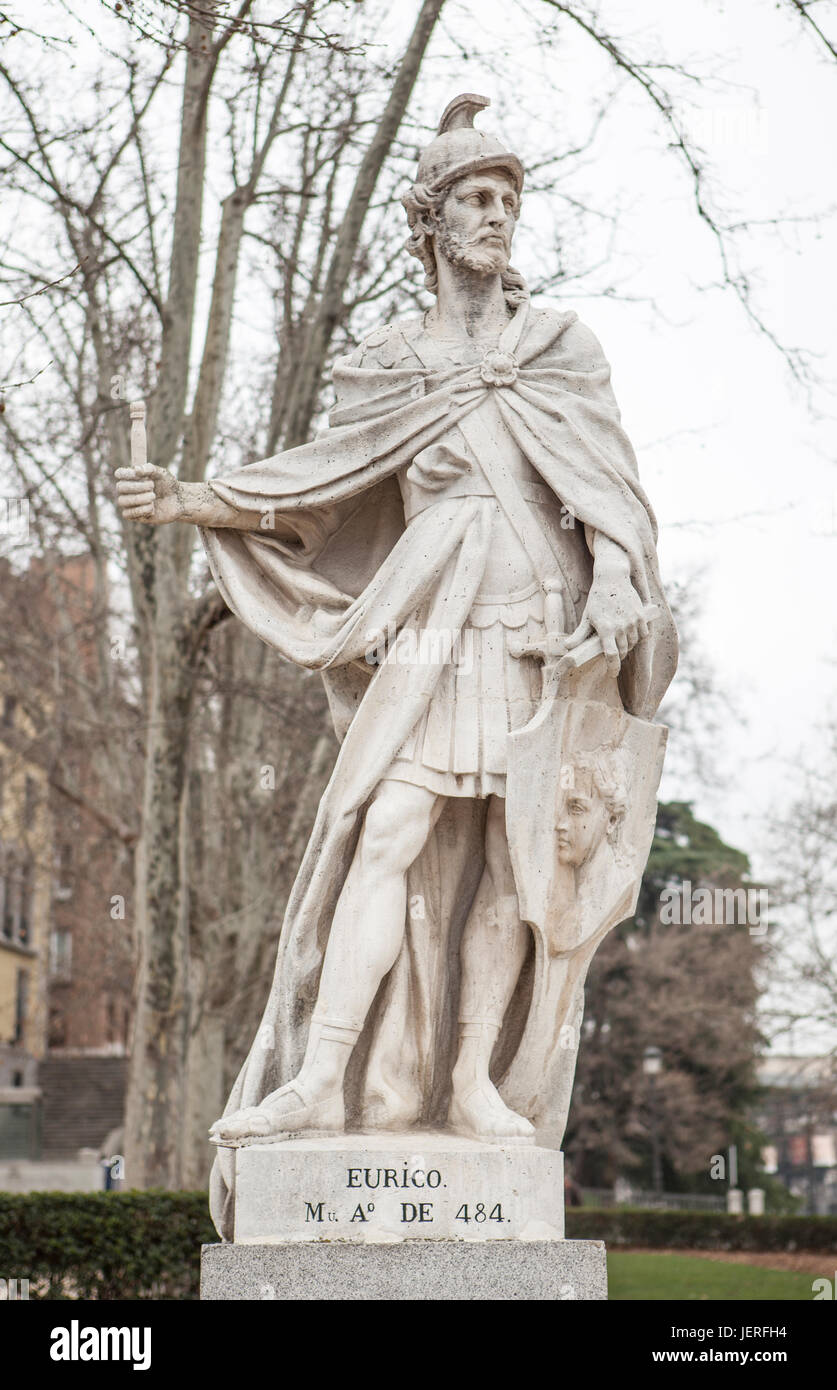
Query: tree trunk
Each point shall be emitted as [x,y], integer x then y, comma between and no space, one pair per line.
[157,1075]
[308,375]
[165,1099]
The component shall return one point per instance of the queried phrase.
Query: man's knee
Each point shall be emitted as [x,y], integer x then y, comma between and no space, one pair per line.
[396,828]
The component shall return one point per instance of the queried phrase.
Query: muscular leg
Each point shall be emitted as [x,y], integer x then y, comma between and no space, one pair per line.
[364,941]
[395,831]
[494,946]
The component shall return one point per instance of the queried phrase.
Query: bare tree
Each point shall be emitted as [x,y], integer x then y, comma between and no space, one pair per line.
[810,11]
[658,79]
[224,160]
[133,304]
[801,1004]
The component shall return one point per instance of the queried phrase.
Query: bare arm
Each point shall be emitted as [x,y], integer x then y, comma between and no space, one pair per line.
[614,608]
[609,559]
[154,496]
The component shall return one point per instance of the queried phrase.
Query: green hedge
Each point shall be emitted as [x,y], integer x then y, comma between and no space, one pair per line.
[146,1245]
[110,1245]
[699,1230]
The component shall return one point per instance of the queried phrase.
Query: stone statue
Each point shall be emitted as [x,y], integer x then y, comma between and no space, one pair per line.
[468,557]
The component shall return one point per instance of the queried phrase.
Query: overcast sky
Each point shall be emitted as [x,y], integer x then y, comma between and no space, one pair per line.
[738,460]
[739,469]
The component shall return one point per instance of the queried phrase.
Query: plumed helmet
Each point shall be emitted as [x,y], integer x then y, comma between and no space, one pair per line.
[458,149]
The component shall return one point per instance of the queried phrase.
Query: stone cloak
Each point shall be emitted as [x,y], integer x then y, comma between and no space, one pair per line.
[340,565]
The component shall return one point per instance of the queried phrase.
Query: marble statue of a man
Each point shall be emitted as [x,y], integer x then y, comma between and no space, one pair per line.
[471,521]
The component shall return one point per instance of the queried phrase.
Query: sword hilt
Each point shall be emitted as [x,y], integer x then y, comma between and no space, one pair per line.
[558,664]
[139,444]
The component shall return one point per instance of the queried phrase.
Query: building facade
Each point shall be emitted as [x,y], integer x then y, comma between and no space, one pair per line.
[25,921]
[799,1116]
[66,954]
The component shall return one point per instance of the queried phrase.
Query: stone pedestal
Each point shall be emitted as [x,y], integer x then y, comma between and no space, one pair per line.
[421,1216]
[453,1271]
[374,1189]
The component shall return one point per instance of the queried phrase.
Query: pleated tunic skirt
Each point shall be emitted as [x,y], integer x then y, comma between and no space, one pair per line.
[486,691]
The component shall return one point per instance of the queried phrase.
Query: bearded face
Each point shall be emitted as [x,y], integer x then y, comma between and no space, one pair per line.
[476,222]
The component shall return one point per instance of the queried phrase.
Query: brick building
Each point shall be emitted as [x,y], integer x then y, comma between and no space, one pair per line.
[66,960]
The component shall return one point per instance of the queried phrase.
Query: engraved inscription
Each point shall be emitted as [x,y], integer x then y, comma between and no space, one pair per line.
[417,1212]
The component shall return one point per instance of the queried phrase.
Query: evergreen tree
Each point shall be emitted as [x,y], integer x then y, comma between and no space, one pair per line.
[689,989]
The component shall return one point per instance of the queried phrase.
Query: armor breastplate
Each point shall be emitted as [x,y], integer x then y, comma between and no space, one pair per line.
[448,469]
[421,484]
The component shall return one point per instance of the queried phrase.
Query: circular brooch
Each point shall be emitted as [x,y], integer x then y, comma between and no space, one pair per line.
[498,368]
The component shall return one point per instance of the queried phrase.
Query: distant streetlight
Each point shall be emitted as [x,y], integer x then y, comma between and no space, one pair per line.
[652,1065]
[652,1061]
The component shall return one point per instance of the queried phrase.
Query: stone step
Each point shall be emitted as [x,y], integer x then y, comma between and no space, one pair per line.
[83,1100]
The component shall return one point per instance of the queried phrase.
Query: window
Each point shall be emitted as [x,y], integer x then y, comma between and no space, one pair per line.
[16,901]
[11,905]
[21,1006]
[9,707]
[63,864]
[25,904]
[61,954]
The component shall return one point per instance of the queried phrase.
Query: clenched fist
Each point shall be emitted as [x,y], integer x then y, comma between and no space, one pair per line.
[149,494]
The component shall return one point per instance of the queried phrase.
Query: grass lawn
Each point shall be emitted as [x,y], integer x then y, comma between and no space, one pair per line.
[676,1277]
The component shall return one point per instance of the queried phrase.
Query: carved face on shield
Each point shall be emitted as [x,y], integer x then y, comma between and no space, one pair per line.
[590,806]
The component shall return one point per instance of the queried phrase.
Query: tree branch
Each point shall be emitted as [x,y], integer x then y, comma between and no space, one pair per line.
[331,308]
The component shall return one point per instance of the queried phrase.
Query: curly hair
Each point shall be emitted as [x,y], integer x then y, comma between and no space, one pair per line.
[422,206]
[608,767]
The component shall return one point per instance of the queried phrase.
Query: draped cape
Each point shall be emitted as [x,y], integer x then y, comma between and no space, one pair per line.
[331,562]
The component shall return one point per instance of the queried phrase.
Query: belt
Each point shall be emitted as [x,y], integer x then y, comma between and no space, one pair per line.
[468,487]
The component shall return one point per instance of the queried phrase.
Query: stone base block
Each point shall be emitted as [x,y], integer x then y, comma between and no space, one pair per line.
[413,1270]
[368,1188]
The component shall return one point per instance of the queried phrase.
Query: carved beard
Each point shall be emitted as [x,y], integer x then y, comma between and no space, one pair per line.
[484,258]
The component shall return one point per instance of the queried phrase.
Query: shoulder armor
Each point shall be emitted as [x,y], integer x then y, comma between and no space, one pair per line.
[378,336]
[387,346]
[561,317]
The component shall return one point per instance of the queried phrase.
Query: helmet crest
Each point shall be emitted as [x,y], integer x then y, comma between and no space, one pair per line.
[458,149]
[459,114]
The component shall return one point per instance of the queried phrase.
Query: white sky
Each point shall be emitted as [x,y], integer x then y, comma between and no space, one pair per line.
[738,461]
[741,474]
[740,471]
